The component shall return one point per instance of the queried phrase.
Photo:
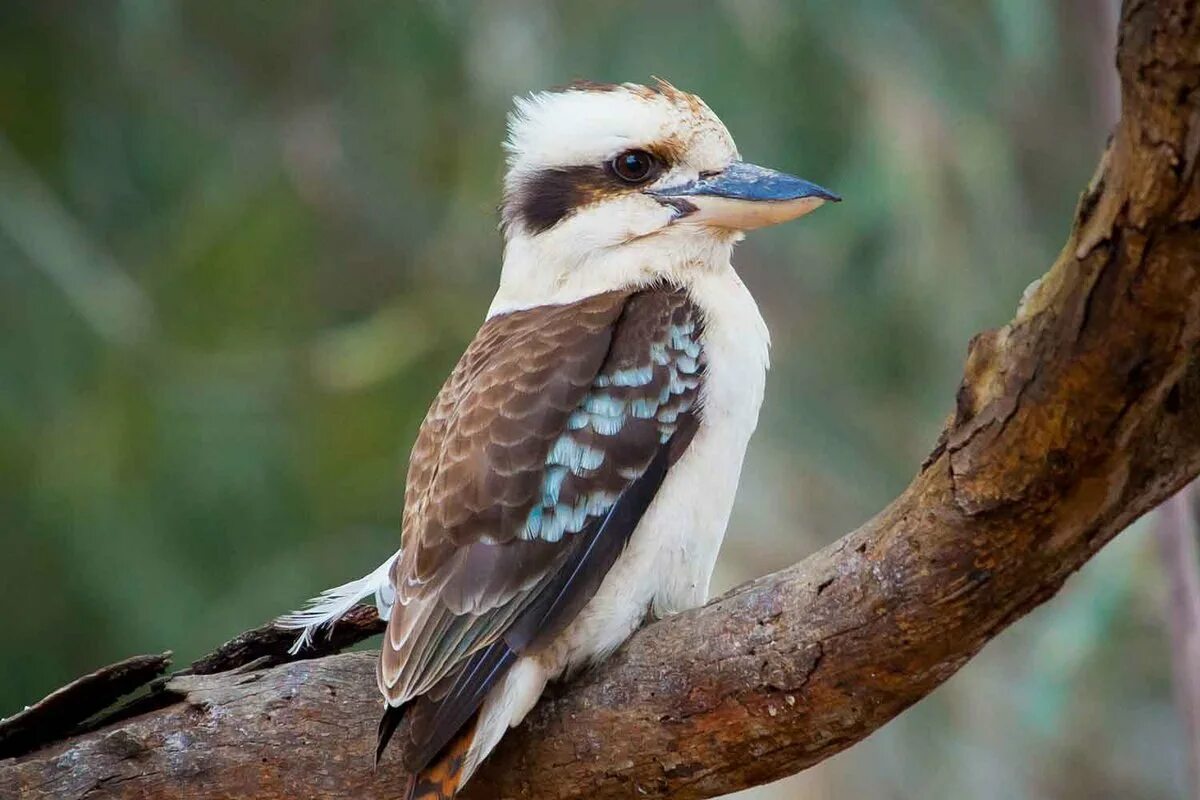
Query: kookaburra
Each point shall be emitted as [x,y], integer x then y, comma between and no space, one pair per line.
[577,470]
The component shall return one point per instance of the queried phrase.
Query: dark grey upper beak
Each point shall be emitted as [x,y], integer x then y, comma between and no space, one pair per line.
[742,181]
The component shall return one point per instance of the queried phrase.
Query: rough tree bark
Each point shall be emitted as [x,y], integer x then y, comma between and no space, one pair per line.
[1071,421]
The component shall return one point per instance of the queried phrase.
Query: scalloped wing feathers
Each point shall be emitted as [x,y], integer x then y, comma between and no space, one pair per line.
[519,492]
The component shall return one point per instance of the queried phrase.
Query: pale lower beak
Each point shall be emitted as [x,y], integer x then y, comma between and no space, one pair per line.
[745,196]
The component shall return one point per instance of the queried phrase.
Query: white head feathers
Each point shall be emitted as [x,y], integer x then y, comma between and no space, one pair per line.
[572,228]
[586,122]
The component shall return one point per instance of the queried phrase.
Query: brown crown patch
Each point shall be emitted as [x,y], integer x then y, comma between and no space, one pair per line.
[584,85]
[660,87]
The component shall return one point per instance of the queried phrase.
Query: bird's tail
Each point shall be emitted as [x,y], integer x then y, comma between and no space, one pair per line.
[442,779]
[333,604]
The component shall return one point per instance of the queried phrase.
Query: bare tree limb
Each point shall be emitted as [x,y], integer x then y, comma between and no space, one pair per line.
[61,711]
[1071,421]
[269,644]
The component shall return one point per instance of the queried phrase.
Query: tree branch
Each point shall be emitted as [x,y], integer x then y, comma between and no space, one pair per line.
[1077,417]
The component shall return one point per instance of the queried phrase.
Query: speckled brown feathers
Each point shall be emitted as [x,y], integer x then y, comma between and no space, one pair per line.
[477,463]
[475,473]
[531,471]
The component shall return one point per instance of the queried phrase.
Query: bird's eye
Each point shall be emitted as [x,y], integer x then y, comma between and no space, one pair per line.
[634,166]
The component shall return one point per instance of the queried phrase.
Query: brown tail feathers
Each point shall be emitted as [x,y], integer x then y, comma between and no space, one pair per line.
[442,779]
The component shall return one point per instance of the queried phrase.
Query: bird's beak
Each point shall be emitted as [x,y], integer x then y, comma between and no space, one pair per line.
[744,196]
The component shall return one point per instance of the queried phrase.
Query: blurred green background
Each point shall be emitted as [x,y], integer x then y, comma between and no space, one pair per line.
[241,244]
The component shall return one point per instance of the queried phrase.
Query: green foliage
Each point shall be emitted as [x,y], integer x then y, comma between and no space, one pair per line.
[242,243]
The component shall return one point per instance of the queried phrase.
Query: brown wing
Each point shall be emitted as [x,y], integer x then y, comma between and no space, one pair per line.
[474,474]
[531,471]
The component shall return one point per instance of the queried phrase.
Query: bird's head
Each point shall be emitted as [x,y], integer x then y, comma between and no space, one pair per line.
[616,185]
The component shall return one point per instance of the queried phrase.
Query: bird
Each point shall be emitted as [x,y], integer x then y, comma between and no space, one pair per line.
[576,472]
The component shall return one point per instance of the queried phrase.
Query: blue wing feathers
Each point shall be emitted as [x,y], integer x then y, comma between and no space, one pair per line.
[613,401]
[600,474]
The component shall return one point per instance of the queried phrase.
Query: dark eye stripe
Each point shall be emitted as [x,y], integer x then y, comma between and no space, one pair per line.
[545,198]
[549,196]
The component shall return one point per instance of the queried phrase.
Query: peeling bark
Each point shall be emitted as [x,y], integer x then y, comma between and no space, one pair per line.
[62,711]
[1071,421]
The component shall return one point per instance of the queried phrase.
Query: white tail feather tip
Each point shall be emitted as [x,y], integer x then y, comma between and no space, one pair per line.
[333,604]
